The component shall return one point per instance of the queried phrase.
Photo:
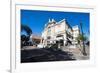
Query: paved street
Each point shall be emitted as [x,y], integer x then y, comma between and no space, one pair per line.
[44,55]
[32,54]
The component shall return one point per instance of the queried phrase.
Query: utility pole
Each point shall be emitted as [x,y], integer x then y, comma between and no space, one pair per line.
[83,50]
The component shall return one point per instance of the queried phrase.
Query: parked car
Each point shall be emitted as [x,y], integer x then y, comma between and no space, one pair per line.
[40,45]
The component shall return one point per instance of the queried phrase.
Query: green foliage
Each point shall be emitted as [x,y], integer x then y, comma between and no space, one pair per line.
[81,38]
[27,29]
[54,46]
[25,38]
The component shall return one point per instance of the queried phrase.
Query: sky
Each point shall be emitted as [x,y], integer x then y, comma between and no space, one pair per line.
[36,19]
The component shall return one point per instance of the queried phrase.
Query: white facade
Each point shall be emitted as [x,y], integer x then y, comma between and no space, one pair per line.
[58,32]
[76,32]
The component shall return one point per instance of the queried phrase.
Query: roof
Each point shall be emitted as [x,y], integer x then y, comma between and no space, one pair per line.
[52,21]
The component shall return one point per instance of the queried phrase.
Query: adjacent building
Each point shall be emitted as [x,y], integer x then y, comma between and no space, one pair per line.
[59,32]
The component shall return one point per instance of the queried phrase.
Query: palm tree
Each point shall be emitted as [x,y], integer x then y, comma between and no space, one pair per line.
[80,39]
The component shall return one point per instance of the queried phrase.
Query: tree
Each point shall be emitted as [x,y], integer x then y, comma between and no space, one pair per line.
[27,29]
[25,38]
[80,39]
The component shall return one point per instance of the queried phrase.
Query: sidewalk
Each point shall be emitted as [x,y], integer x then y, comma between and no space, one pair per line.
[77,54]
[29,47]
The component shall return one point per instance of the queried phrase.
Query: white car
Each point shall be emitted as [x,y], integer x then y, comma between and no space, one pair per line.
[40,45]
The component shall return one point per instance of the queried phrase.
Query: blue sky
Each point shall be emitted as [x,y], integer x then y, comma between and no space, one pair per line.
[36,19]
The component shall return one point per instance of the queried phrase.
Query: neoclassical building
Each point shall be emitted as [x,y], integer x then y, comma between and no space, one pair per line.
[59,32]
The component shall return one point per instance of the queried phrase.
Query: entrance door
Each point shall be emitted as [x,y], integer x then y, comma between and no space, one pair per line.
[61,42]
